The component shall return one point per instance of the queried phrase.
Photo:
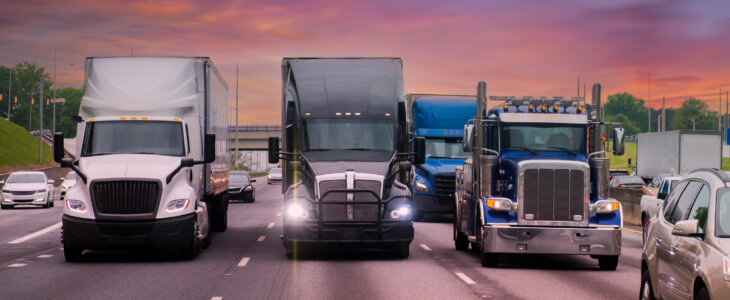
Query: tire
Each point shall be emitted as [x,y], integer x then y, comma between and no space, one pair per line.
[72,254]
[219,209]
[489,260]
[702,294]
[402,250]
[461,241]
[608,263]
[50,202]
[646,291]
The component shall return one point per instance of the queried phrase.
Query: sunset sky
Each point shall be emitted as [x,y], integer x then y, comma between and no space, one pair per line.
[517,47]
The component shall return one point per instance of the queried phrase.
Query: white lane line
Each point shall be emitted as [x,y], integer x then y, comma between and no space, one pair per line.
[261,238]
[45,256]
[425,247]
[278,214]
[271,225]
[36,234]
[17,265]
[244,262]
[465,278]
[216,298]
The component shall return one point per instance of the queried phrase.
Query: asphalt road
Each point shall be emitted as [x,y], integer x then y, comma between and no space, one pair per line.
[248,262]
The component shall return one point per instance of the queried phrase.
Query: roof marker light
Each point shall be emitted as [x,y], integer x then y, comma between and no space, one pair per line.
[338,114]
[307,114]
[505,107]
[144,118]
[176,119]
[357,113]
[530,108]
[555,108]
[543,108]
[122,118]
[133,118]
[579,109]
[387,114]
[348,114]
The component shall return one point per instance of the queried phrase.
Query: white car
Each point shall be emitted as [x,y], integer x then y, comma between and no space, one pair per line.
[274,175]
[650,204]
[68,182]
[27,188]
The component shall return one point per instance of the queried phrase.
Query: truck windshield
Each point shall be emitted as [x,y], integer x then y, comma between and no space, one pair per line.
[444,148]
[544,137]
[133,137]
[348,134]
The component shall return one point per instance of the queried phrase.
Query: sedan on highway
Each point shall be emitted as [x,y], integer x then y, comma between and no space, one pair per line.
[627,182]
[27,188]
[274,175]
[686,254]
[240,186]
[68,182]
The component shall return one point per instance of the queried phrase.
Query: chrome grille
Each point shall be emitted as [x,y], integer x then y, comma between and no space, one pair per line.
[125,197]
[553,194]
[333,212]
[445,186]
[347,212]
[366,212]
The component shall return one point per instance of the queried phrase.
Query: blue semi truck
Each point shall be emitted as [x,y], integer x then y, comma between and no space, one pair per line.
[440,119]
[537,181]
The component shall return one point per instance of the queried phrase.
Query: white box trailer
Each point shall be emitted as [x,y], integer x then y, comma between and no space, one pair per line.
[677,152]
[152,156]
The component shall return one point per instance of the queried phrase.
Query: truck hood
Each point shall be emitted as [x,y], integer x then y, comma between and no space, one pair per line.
[128,166]
[442,165]
[365,167]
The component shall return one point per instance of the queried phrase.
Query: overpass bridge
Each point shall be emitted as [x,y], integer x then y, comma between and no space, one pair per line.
[252,137]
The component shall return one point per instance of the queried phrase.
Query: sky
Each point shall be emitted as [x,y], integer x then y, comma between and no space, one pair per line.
[678,48]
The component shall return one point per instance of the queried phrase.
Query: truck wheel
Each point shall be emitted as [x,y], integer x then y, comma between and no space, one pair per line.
[401,250]
[608,262]
[51,204]
[702,294]
[489,260]
[220,213]
[71,253]
[461,241]
[646,292]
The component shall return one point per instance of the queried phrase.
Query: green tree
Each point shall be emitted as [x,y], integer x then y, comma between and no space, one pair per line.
[693,109]
[625,123]
[25,85]
[66,124]
[631,107]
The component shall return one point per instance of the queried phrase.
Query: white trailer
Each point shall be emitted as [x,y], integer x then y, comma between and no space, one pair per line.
[153,159]
[677,152]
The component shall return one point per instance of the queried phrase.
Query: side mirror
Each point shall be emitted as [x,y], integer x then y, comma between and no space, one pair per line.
[67,163]
[662,196]
[253,180]
[187,162]
[51,181]
[468,140]
[618,141]
[273,150]
[630,166]
[58,147]
[420,150]
[209,148]
[686,228]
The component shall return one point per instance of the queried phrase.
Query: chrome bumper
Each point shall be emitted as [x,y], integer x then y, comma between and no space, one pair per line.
[551,240]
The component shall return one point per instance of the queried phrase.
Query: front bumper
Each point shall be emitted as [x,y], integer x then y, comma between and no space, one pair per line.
[360,234]
[10,199]
[176,232]
[551,240]
[270,180]
[431,204]
[240,195]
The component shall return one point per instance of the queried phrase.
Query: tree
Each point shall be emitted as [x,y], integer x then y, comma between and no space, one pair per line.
[25,86]
[693,109]
[66,124]
[625,123]
[631,107]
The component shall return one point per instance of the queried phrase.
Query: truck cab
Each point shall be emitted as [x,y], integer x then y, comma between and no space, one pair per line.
[440,120]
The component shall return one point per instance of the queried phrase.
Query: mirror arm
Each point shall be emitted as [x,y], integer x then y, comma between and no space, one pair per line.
[489,151]
[594,153]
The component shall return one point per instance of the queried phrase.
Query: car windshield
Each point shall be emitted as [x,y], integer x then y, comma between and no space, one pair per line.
[722,213]
[439,148]
[237,177]
[26,178]
[348,134]
[628,180]
[133,137]
[275,171]
[544,137]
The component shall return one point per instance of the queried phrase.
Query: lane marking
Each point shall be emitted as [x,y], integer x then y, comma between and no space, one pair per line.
[17,265]
[278,214]
[45,256]
[465,278]
[425,247]
[36,234]
[261,238]
[624,228]
[216,298]
[271,225]
[244,262]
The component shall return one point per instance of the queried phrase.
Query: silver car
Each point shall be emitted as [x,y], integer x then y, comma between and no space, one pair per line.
[687,247]
[27,188]
[68,182]
[274,175]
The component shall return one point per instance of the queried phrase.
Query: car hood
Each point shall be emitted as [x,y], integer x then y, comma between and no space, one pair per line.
[24,186]
[132,166]
[442,165]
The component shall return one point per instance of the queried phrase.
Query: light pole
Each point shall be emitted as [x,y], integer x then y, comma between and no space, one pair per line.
[10,88]
[40,124]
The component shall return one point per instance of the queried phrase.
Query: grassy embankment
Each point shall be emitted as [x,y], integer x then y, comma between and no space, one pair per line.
[19,148]
[621,162]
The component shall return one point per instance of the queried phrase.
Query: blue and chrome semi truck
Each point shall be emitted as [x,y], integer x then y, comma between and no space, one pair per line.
[440,119]
[537,181]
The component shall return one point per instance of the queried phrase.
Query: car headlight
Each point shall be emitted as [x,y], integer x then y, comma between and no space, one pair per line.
[402,212]
[420,187]
[605,206]
[248,188]
[41,191]
[501,204]
[76,205]
[177,204]
[296,211]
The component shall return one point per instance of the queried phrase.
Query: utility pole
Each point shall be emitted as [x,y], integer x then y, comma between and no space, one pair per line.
[236,160]
[648,101]
[664,114]
[578,95]
[719,111]
[54,87]
[10,87]
[40,124]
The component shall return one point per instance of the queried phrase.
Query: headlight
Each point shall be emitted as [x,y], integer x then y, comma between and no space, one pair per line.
[76,205]
[248,188]
[605,206]
[402,212]
[296,211]
[176,205]
[501,204]
[420,187]
[726,268]
[41,191]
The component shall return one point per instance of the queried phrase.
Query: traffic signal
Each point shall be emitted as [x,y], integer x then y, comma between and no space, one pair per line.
[16,99]
[1,97]
[48,101]
[32,101]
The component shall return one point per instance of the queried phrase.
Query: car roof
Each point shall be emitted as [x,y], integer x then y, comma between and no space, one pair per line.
[27,172]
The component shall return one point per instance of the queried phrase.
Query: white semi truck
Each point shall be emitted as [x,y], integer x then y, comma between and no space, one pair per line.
[677,152]
[153,160]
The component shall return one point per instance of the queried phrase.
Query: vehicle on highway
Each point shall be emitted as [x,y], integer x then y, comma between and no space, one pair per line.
[152,156]
[650,203]
[274,175]
[658,179]
[27,188]
[46,132]
[440,119]
[240,186]
[344,144]
[677,152]
[535,183]
[687,250]
[617,172]
[627,182]
[68,181]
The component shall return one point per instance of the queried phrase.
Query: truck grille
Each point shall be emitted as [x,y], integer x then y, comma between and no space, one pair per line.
[355,212]
[333,212]
[125,197]
[445,186]
[553,194]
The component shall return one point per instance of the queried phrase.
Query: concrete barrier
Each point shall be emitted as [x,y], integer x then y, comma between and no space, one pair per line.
[630,202]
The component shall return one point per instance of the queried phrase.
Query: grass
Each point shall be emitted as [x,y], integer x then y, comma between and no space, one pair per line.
[621,162]
[19,148]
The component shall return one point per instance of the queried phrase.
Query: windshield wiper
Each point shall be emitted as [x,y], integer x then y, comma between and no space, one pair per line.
[522,148]
[565,149]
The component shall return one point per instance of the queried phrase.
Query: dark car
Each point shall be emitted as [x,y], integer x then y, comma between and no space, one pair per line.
[240,187]
[627,182]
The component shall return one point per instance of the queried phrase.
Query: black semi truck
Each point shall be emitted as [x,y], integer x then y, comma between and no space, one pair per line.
[345,154]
